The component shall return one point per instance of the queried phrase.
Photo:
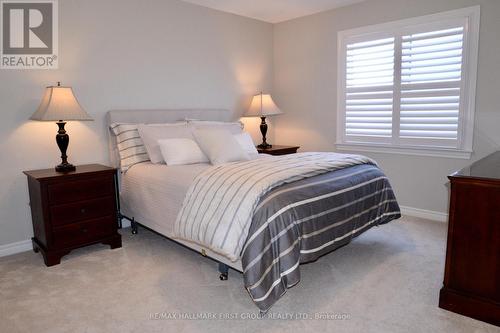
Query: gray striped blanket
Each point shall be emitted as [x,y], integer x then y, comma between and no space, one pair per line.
[219,206]
[301,221]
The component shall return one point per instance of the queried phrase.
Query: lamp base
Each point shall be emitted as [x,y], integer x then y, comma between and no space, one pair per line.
[263,130]
[264,145]
[65,167]
[62,139]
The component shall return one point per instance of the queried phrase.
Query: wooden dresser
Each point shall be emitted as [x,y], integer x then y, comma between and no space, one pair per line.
[472,272]
[73,209]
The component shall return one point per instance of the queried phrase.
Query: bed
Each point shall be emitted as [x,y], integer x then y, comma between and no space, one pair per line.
[263,224]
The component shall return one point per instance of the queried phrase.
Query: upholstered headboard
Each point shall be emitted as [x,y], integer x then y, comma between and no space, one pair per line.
[157,116]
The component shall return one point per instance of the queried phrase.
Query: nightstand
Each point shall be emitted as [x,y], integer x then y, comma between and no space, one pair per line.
[73,209]
[279,150]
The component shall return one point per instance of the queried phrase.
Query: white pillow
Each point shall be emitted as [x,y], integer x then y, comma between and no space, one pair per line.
[181,151]
[246,142]
[220,146]
[150,134]
[233,127]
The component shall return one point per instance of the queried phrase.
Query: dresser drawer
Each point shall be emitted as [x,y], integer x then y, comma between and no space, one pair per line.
[84,232]
[82,210]
[80,189]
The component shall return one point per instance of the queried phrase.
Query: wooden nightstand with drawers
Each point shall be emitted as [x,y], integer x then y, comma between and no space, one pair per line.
[73,209]
[278,150]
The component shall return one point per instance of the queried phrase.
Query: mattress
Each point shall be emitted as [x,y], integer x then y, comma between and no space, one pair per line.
[153,194]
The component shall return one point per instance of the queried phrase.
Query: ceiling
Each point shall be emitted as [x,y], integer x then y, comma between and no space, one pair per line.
[273,11]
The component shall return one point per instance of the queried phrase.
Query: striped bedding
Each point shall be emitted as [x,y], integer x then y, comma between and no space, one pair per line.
[299,222]
[218,207]
[320,201]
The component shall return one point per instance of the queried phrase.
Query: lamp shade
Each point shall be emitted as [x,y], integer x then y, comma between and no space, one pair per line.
[59,103]
[262,106]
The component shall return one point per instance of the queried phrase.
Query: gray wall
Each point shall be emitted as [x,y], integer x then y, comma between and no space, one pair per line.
[168,54]
[124,54]
[305,87]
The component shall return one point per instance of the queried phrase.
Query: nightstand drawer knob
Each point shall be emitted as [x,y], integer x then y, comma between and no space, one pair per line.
[84,230]
[83,210]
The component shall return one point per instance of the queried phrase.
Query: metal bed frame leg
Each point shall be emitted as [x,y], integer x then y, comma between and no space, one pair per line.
[133,226]
[223,270]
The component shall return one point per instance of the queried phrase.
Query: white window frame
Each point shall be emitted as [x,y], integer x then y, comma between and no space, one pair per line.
[470,18]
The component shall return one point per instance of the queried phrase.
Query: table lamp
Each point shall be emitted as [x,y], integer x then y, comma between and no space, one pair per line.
[60,104]
[263,106]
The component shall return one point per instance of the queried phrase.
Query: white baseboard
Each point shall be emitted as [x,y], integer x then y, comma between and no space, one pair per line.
[26,245]
[425,214]
[17,247]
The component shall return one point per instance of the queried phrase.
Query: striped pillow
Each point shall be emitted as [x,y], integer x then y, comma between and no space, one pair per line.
[129,145]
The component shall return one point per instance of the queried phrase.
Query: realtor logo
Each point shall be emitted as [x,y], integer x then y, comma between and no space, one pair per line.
[29,34]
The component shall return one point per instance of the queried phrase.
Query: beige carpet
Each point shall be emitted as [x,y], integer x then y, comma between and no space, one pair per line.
[387,280]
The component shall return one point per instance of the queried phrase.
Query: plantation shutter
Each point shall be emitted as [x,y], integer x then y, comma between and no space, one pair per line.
[431,74]
[409,86]
[369,87]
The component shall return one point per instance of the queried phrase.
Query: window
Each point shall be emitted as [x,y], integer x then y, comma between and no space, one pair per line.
[409,86]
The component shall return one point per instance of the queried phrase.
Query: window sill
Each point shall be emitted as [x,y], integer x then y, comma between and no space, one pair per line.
[419,151]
